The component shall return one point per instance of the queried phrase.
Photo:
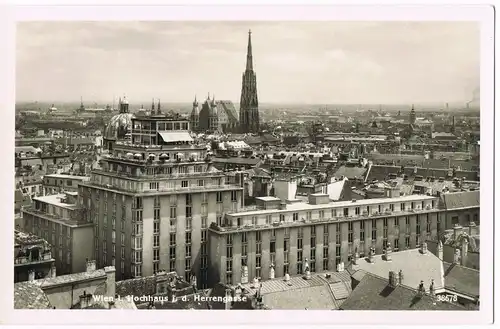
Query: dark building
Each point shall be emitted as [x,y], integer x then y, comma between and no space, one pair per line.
[249,104]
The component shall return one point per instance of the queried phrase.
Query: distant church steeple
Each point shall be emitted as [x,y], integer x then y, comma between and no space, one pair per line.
[249,104]
[159,107]
[153,106]
[413,116]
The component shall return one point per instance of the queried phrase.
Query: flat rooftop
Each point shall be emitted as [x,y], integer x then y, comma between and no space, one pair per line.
[67,176]
[298,206]
[56,200]
[23,238]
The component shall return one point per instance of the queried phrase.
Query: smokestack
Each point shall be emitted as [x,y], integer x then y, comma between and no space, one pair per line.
[110,281]
[464,251]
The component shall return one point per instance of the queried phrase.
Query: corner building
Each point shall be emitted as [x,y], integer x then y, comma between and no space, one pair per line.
[153,200]
[323,232]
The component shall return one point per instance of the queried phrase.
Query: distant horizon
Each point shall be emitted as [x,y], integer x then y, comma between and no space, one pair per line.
[335,62]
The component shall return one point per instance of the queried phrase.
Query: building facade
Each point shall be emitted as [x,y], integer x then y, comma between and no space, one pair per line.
[32,257]
[57,183]
[324,233]
[249,103]
[153,199]
[60,220]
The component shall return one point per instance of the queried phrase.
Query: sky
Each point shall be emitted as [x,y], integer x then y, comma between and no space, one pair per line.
[295,62]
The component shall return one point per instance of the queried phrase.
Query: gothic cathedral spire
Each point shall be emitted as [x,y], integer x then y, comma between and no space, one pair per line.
[249,104]
[249,52]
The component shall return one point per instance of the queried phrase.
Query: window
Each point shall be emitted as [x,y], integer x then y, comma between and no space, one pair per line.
[254,220]
[454,220]
[172,239]
[346,212]
[156,254]
[157,214]
[201,182]
[184,183]
[391,207]
[295,216]
[407,242]
[204,222]
[156,227]
[357,210]
[321,214]
[403,206]
[154,185]
[269,219]
[173,212]
[172,265]
[282,218]
[233,196]
[219,197]
[188,211]
[156,241]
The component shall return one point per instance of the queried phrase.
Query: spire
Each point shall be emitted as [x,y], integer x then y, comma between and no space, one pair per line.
[249,52]
[195,103]
[152,105]
[208,97]
[159,106]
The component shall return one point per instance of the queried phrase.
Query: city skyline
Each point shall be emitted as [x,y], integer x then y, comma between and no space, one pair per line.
[355,62]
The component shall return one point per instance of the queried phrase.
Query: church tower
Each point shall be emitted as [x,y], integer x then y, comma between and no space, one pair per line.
[195,116]
[249,104]
[413,116]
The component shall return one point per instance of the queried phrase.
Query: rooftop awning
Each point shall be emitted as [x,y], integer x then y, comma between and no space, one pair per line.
[175,136]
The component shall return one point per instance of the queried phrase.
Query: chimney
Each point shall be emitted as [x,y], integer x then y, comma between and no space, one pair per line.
[464,251]
[432,292]
[110,281]
[31,275]
[371,255]
[271,271]
[161,281]
[393,279]
[85,300]
[423,248]
[355,257]
[456,257]
[388,252]
[440,250]
[227,299]
[421,288]
[238,291]
[400,277]
[287,278]
[53,270]
[307,271]
[91,267]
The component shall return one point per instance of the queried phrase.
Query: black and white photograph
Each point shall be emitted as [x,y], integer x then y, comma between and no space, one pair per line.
[252,164]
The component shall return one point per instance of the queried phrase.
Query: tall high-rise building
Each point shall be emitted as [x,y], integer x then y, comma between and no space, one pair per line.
[154,198]
[249,103]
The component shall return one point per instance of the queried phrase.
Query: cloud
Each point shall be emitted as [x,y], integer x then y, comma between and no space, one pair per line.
[352,62]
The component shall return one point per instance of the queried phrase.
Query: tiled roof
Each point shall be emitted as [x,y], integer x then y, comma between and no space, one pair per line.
[380,172]
[415,267]
[339,290]
[461,200]
[145,286]
[28,295]
[462,280]
[373,293]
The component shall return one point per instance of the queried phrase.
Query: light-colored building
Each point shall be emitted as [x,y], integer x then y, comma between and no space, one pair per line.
[61,221]
[57,183]
[324,233]
[153,199]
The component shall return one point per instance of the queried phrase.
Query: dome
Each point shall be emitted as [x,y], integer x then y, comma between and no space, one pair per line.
[119,125]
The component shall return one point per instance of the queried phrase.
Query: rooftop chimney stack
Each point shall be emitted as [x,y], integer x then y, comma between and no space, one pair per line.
[464,251]
[371,255]
[91,267]
[440,250]
[456,257]
[110,281]
[421,288]
[393,279]
[432,292]
[423,248]
[307,271]
[31,275]
[400,277]
[388,252]
[85,300]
